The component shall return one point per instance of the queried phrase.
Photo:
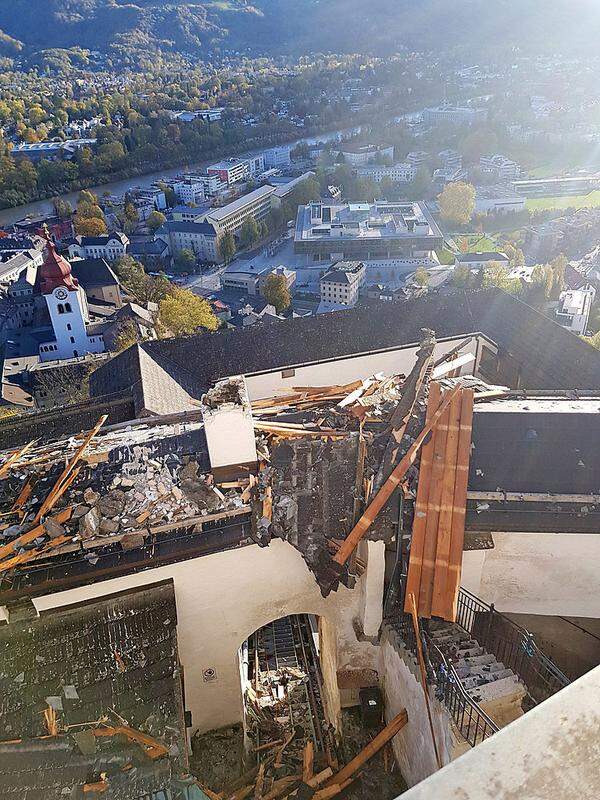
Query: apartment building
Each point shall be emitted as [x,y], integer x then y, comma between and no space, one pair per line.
[397,173]
[454,115]
[574,306]
[234,170]
[198,236]
[277,157]
[502,168]
[341,285]
[360,154]
[231,217]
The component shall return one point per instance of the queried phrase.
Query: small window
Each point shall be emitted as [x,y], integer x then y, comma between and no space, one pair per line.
[288,373]
[72,338]
[68,326]
[68,308]
[75,353]
[61,308]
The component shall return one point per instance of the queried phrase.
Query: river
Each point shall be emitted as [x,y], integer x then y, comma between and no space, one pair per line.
[9,216]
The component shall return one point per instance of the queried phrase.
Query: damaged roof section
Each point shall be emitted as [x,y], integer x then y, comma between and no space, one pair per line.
[91,701]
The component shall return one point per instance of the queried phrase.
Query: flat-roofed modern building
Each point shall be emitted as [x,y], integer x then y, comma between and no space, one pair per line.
[230,218]
[403,172]
[402,233]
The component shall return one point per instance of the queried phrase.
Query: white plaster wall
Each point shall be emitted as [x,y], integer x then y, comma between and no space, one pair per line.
[222,599]
[553,751]
[413,745]
[346,370]
[537,573]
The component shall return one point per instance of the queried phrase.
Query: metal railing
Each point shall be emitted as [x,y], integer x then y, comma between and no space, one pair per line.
[470,719]
[512,644]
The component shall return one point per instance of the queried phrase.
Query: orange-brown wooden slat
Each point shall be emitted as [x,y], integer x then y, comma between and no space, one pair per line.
[413,579]
[433,516]
[444,534]
[460,504]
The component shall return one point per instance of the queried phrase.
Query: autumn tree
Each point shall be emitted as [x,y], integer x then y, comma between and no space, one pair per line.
[126,336]
[457,202]
[461,277]
[495,274]
[182,312]
[89,226]
[143,287]
[185,260]
[155,220]
[276,292]
[421,277]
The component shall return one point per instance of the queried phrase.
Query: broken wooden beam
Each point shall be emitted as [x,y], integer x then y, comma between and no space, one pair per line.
[374,746]
[14,458]
[393,480]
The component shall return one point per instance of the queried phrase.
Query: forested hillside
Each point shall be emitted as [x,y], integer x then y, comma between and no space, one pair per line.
[272,26]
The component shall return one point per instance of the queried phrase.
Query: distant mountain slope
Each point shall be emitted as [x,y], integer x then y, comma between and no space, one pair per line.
[302,25]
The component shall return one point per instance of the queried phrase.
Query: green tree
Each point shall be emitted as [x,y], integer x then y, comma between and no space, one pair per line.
[496,274]
[155,220]
[126,336]
[227,247]
[461,277]
[276,292]
[62,208]
[182,312]
[185,260]
[134,279]
[457,202]
[558,266]
[249,232]
[593,340]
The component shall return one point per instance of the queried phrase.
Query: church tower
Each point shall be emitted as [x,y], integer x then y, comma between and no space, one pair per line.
[68,308]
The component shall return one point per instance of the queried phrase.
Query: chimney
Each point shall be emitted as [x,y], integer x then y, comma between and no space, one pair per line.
[229,429]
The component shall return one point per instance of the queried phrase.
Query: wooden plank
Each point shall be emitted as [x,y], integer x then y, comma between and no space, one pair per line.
[385,492]
[460,505]
[55,493]
[26,538]
[374,746]
[444,533]
[417,544]
[14,458]
[307,761]
[24,495]
[433,514]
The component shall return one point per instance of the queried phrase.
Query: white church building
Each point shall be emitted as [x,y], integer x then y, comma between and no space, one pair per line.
[68,308]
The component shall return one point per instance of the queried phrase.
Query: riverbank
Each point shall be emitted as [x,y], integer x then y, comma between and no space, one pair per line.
[146,176]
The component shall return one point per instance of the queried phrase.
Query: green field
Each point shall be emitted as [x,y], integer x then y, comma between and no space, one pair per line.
[591,200]
[475,243]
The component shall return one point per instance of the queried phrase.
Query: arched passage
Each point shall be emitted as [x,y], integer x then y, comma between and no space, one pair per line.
[288,678]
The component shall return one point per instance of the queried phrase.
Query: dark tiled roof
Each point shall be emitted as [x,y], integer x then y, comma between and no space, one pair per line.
[536,451]
[94,272]
[118,654]
[542,354]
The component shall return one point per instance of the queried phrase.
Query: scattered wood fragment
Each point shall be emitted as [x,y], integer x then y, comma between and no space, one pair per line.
[152,747]
[278,759]
[260,779]
[56,492]
[308,761]
[320,777]
[374,746]
[393,480]
[281,787]
[26,538]
[267,746]
[24,495]
[15,457]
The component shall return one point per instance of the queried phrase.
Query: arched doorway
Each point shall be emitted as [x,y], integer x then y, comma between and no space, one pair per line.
[288,671]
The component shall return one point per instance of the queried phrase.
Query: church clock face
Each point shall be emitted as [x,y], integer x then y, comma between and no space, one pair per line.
[60,293]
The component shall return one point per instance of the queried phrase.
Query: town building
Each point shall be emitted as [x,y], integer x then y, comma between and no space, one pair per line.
[98,281]
[573,310]
[498,200]
[418,158]
[212,185]
[109,246]
[382,233]
[557,186]
[51,151]
[360,154]
[454,115]
[230,218]
[340,286]
[481,260]
[277,157]
[502,168]
[13,263]
[250,279]
[450,159]
[153,196]
[234,170]
[397,173]
[284,187]
[205,114]
[200,237]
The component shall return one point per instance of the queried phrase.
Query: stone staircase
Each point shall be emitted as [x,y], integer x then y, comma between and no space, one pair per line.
[496,689]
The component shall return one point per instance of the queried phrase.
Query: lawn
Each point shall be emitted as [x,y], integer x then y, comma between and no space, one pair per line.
[475,243]
[591,200]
